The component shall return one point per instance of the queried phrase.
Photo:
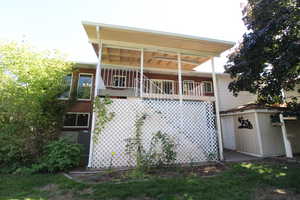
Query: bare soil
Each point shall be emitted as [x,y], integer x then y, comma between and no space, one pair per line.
[275,194]
[114,175]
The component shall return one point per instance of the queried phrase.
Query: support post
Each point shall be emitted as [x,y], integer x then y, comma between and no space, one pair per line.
[142,73]
[180,90]
[218,119]
[179,77]
[96,87]
[287,144]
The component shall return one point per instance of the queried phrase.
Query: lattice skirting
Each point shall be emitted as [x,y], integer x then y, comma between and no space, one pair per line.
[191,124]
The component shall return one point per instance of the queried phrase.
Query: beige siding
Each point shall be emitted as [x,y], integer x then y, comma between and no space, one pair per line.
[246,139]
[227,100]
[290,94]
[293,131]
[271,136]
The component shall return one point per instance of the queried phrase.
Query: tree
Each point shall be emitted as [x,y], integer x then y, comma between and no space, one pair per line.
[30,112]
[268,58]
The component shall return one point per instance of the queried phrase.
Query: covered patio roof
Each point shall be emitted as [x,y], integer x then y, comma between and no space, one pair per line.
[121,46]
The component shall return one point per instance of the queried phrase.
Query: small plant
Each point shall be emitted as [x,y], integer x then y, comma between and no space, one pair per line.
[111,159]
[59,156]
[134,146]
[212,156]
[161,152]
[102,114]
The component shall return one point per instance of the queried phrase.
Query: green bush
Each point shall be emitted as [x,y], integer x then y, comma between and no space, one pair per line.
[59,156]
[31,114]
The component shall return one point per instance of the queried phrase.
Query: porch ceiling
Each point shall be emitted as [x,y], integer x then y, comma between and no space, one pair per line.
[160,48]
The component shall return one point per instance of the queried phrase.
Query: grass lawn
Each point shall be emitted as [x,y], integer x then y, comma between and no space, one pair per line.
[262,181]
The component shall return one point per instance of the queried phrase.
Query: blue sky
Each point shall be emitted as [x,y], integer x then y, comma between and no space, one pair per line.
[56,24]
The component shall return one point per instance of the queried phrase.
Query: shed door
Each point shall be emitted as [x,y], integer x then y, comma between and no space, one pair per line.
[228,132]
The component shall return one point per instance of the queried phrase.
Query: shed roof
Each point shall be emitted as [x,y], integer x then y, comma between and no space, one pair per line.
[252,106]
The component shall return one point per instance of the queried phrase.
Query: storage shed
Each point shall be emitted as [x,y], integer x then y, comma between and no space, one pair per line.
[249,129]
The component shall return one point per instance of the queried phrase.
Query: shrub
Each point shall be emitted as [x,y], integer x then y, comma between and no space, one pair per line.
[30,112]
[59,156]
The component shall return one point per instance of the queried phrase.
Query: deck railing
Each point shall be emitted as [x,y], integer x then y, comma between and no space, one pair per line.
[129,79]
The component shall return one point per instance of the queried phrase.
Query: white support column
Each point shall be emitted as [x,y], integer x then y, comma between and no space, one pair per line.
[179,77]
[96,87]
[180,89]
[142,74]
[216,94]
[287,144]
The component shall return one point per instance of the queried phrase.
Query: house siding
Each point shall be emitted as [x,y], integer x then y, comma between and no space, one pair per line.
[227,100]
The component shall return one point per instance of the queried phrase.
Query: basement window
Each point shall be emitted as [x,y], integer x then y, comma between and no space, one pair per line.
[76,120]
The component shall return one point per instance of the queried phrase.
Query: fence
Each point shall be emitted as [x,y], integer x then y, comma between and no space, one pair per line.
[190,124]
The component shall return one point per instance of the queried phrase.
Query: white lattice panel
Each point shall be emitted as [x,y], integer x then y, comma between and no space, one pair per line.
[191,125]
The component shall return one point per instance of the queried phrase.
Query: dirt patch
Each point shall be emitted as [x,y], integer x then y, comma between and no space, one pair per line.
[54,193]
[86,191]
[131,174]
[63,196]
[275,194]
[49,188]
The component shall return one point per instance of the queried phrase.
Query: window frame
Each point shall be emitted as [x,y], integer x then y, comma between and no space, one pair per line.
[211,84]
[162,81]
[183,88]
[91,90]
[70,90]
[122,76]
[78,113]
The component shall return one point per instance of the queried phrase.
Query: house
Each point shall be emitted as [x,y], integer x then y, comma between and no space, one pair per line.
[149,73]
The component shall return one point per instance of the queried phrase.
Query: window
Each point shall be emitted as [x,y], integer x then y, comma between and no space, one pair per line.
[67,87]
[84,89]
[119,81]
[188,87]
[207,87]
[162,86]
[76,120]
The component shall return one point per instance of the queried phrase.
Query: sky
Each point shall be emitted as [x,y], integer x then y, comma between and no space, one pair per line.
[56,24]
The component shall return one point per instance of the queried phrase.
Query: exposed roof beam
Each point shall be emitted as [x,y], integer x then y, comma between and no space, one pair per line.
[175,60]
[138,47]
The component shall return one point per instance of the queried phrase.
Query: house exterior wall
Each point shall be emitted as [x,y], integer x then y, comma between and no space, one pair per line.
[85,106]
[227,100]
[81,106]
[271,136]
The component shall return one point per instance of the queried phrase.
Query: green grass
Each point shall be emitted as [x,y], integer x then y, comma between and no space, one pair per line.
[239,182]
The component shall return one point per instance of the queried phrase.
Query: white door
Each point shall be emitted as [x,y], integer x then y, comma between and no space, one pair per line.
[228,132]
